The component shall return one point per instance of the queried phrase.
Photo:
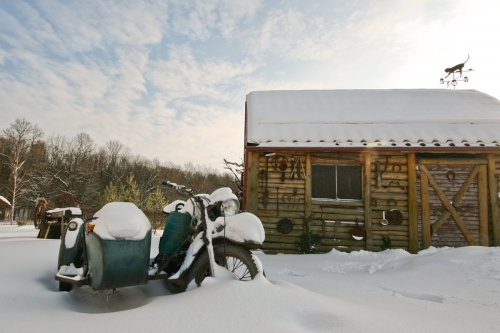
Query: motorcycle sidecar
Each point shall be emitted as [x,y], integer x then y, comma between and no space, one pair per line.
[110,252]
[117,263]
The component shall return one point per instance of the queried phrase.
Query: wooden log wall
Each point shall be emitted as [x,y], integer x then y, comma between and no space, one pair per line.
[493,188]
[288,199]
[392,194]
[399,188]
[285,199]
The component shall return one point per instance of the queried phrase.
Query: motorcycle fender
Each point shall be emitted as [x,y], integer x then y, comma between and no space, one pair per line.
[243,228]
[71,247]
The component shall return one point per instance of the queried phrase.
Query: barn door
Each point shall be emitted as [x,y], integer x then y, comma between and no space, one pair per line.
[446,199]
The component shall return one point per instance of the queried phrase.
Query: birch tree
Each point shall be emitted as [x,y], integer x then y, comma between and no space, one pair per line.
[19,140]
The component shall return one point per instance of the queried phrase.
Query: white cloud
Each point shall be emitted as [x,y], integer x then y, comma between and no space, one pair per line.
[183,76]
[200,20]
[291,33]
[169,78]
[86,25]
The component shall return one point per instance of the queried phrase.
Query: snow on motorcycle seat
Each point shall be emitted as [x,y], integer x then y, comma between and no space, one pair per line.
[118,247]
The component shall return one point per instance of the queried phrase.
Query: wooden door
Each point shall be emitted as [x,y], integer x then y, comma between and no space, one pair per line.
[475,217]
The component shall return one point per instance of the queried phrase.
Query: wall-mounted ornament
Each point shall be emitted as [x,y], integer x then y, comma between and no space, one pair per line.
[285,226]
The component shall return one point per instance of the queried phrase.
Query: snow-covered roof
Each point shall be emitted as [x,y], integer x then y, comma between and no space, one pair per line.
[377,118]
[4,201]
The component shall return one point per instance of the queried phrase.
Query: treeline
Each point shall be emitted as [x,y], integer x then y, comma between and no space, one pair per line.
[33,165]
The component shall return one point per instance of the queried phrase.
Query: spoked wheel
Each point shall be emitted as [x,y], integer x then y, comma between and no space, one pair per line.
[234,258]
[236,266]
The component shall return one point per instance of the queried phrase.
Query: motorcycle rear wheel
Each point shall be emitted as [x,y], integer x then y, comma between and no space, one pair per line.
[235,258]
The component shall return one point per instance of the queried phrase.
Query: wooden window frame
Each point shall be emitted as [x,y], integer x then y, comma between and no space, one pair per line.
[335,165]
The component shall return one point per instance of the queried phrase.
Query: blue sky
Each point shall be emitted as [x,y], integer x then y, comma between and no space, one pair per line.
[169,78]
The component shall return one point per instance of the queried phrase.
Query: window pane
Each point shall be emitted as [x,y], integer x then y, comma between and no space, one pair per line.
[323,181]
[349,182]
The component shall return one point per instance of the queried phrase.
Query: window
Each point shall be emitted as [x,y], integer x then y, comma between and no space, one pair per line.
[337,181]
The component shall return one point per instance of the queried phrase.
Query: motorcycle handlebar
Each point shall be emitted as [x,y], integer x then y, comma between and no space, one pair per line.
[177,187]
[169,184]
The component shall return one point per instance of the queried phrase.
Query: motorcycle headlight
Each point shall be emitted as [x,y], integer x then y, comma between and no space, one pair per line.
[72,226]
[230,207]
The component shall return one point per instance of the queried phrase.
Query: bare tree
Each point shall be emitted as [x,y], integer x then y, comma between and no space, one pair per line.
[237,171]
[19,138]
[69,168]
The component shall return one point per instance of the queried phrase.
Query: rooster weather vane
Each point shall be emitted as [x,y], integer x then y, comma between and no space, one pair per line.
[456,69]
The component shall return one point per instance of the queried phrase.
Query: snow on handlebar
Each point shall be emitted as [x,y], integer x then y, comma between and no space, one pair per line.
[176,187]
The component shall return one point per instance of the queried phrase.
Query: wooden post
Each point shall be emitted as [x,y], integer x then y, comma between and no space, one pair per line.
[492,183]
[482,184]
[412,204]
[426,213]
[252,195]
[308,189]
[367,203]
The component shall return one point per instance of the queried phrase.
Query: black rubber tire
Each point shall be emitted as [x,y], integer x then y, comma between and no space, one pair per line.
[63,286]
[239,261]
[175,289]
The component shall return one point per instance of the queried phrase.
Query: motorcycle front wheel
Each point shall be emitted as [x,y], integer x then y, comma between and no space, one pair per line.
[234,258]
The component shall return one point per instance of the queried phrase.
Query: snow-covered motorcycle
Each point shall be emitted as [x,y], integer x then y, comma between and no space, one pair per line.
[112,249]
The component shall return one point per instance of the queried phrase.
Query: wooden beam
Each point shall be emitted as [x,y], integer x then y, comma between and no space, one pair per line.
[448,206]
[367,199]
[492,184]
[252,195]
[426,213]
[308,192]
[455,161]
[412,204]
[456,200]
[482,184]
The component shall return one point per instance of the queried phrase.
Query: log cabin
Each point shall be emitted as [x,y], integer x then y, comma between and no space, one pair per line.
[373,169]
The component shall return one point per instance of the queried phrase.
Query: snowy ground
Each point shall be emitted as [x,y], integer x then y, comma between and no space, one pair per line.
[438,290]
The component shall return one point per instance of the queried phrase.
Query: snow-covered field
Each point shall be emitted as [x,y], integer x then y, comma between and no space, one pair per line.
[438,290]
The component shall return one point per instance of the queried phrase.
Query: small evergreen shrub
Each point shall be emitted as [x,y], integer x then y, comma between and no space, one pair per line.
[308,241]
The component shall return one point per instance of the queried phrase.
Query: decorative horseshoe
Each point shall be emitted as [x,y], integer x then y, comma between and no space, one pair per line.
[394,167]
[390,201]
[397,184]
[450,175]
[373,202]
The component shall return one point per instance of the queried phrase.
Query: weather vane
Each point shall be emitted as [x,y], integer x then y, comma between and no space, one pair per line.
[456,69]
